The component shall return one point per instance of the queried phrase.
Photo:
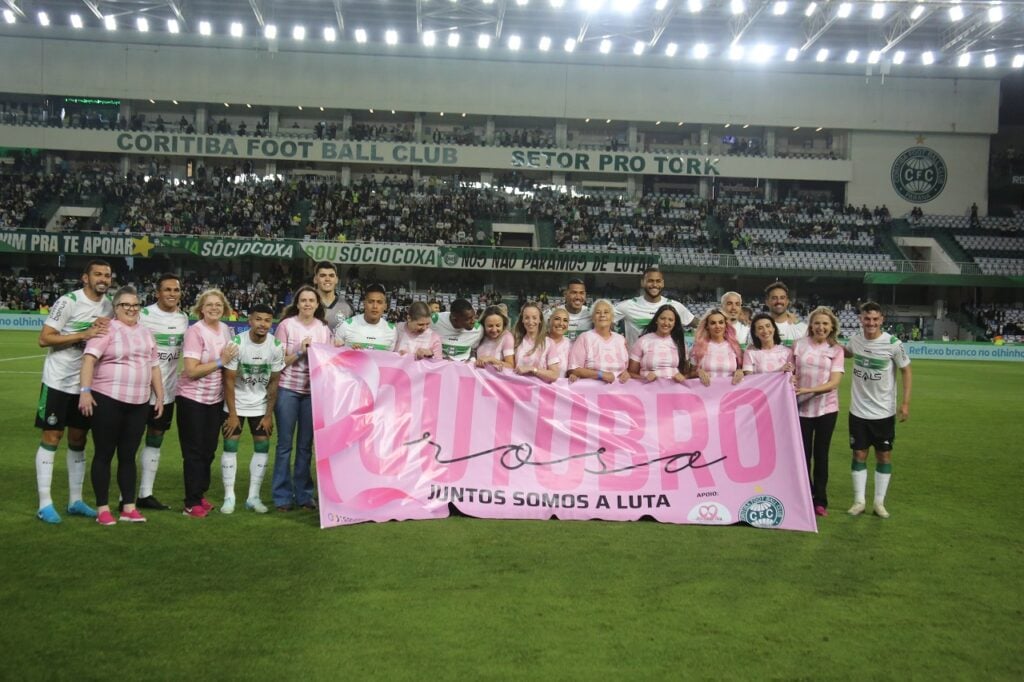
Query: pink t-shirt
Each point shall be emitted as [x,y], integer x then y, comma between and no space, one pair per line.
[590,351]
[762,361]
[205,345]
[126,357]
[814,363]
[410,343]
[527,360]
[501,348]
[657,354]
[719,360]
[290,332]
[558,354]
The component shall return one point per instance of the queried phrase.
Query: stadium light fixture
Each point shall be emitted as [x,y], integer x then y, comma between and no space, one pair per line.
[727,125]
[660,5]
[878,10]
[671,49]
[591,6]
[152,101]
[483,41]
[796,128]
[844,10]
[819,129]
[205,28]
[142,24]
[172,26]
[736,52]
[9,16]
[899,57]
[851,56]
[874,56]
[453,39]
[1018,61]
[822,55]
[990,60]
[249,106]
[956,13]
[927,58]
[638,48]
[391,36]
[236,29]
[812,7]
[917,12]
[737,6]
[360,35]
[429,38]
[762,53]
[606,46]
[270,31]
[557,4]
[570,45]
[625,6]
[515,42]
[701,51]
[299,32]
[995,14]
[657,123]
[746,125]
[486,2]
[792,54]
[680,124]
[545,44]
[44,19]
[110,22]
[780,7]
[694,5]
[522,3]
[174,102]
[607,121]
[964,60]
[330,34]
[76,21]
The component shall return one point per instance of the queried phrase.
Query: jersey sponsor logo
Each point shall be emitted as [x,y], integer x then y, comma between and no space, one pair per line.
[919,175]
[763,511]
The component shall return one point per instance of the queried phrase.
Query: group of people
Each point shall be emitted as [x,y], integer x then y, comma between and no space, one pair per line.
[113,366]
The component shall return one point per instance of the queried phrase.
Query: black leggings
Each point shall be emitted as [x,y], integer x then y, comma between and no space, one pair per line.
[116,427]
[817,435]
[198,432]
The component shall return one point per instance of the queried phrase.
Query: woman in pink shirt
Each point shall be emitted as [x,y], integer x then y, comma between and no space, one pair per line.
[199,406]
[600,353]
[660,352]
[766,353]
[302,323]
[716,353]
[819,370]
[118,370]
[558,346]
[415,337]
[531,344]
[498,346]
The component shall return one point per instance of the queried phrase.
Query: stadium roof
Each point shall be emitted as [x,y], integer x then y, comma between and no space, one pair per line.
[847,36]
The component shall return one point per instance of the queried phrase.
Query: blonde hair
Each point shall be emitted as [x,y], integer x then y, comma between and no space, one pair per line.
[833,335]
[197,309]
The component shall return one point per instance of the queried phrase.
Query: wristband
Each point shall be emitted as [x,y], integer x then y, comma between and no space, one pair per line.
[85,389]
[599,375]
[299,353]
[219,363]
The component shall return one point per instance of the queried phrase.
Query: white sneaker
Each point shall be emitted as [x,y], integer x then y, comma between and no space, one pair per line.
[880,510]
[228,507]
[256,505]
[857,509]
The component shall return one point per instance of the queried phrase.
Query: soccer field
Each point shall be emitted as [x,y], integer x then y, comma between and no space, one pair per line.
[933,592]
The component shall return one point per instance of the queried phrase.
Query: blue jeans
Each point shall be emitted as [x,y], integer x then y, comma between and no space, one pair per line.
[293,410]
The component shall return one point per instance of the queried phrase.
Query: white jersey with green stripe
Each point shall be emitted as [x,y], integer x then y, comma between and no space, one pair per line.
[874,375]
[168,329]
[456,344]
[253,367]
[356,332]
[73,313]
[636,313]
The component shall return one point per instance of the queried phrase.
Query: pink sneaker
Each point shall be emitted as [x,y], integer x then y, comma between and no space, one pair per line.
[206,505]
[105,518]
[132,516]
[820,511]
[196,512]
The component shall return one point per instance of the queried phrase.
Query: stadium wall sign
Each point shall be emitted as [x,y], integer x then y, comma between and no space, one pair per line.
[216,247]
[401,255]
[22,321]
[544,260]
[400,439]
[85,243]
[920,350]
[919,175]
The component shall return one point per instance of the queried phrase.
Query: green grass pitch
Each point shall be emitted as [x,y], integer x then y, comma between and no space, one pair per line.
[935,592]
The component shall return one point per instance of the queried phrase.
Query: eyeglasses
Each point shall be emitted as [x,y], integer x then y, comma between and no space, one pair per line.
[129,306]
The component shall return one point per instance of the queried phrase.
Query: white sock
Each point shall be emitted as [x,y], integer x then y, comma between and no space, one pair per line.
[150,462]
[860,483]
[257,467]
[76,474]
[881,486]
[44,475]
[228,465]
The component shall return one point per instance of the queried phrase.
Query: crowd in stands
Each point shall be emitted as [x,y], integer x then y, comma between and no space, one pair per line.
[1001,320]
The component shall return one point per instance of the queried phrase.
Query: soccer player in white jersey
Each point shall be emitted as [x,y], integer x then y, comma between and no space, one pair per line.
[459,331]
[636,313]
[250,394]
[336,309]
[74,319]
[168,325]
[576,305]
[873,412]
[732,306]
[369,330]
[776,298]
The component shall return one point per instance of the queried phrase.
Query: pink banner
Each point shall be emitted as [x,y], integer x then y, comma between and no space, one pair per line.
[400,439]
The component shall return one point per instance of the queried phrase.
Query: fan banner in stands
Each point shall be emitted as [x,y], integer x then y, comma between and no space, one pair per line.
[217,247]
[401,255]
[545,260]
[83,243]
[400,439]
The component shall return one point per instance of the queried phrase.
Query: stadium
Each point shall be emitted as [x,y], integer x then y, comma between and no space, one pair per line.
[495,151]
